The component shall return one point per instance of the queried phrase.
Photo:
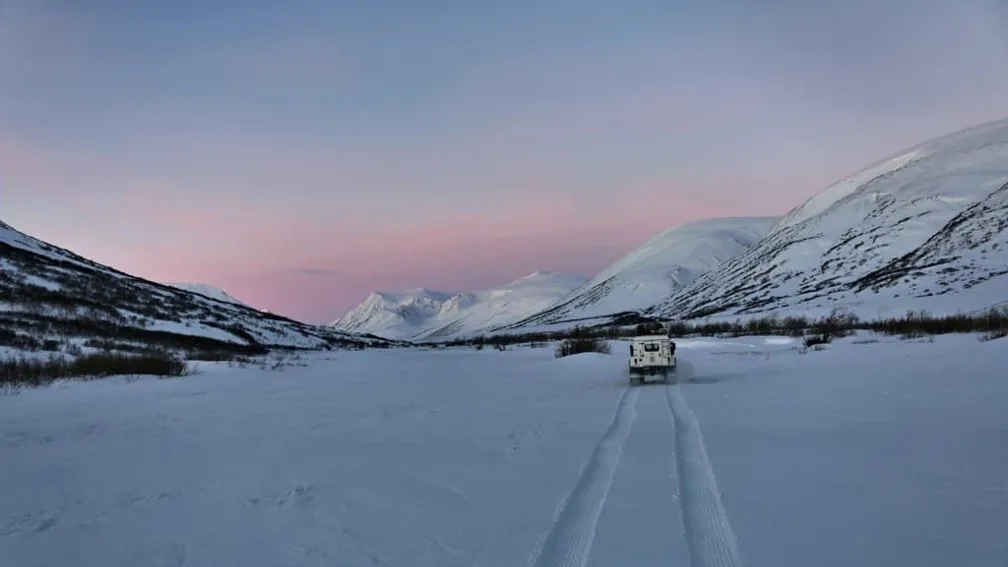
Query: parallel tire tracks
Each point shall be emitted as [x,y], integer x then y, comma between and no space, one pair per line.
[709,536]
[569,542]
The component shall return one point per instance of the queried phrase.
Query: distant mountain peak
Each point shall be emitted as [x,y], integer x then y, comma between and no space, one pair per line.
[421,313]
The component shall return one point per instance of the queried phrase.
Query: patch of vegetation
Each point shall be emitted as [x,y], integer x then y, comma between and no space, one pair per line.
[817,339]
[923,322]
[24,371]
[580,345]
[807,349]
[994,335]
[837,324]
[274,362]
[37,331]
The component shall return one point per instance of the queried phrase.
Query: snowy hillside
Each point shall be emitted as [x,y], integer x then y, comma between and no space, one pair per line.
[657,269]
[429,315]
[49,295]
[207,290]
[927,228]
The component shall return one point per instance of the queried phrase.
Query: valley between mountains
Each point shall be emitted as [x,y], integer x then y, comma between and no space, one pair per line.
[377,440]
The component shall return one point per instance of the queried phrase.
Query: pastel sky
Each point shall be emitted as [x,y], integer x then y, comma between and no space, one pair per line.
[301,154]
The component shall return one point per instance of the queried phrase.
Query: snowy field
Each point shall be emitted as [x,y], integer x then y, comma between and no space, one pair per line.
[865,454]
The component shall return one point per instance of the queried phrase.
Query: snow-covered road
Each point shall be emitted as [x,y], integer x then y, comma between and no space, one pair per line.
[695,511]
[890,453]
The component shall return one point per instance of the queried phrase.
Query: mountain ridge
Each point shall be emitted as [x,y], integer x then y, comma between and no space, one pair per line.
[50,295]
[213,292]
[915,230]
[423,314]
[655,270]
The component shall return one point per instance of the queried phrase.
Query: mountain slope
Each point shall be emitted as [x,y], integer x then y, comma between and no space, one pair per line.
[50,295]
[926,228]
[657,269]
[475,313]
[422,314]
[394,314]
[207,290]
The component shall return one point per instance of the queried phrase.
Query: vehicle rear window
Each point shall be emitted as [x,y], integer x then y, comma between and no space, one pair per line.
[651,347]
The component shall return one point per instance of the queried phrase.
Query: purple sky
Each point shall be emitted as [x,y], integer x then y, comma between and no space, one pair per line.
[302,154]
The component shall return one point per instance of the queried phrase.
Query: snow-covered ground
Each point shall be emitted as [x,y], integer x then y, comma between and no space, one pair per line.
[892,453]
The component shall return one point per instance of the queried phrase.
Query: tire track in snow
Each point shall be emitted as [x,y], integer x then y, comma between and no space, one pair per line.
[710,540]
[569,541]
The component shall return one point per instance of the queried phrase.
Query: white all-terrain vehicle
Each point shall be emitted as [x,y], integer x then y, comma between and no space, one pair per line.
[651,355]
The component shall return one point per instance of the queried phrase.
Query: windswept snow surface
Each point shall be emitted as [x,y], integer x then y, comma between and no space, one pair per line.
[207,290]
[927,229]
[423,314]
[892,453]
[656,270]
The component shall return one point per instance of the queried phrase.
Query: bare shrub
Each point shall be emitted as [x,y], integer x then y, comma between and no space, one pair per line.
[39,371]
[817,339]
[581,345]
[994,335]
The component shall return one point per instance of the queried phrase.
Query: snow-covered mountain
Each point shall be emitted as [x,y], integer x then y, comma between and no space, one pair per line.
[208,290]
[926,228]
[656,270]
[422,314]
[399,314]
[49,294]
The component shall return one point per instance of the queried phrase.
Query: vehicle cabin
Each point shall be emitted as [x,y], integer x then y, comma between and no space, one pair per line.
[652,355]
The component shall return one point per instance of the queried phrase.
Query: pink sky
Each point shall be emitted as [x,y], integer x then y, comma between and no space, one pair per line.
[311,155]
[304,266]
